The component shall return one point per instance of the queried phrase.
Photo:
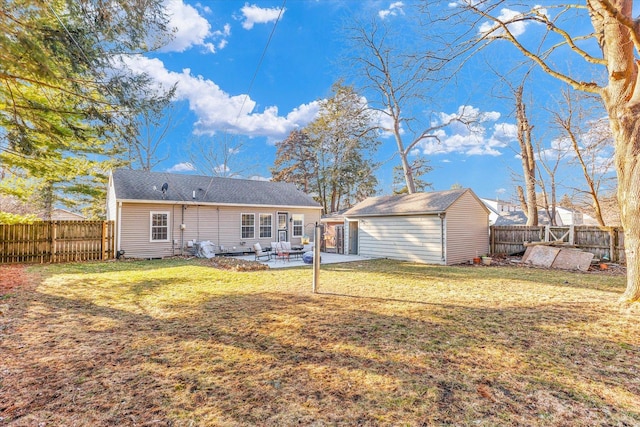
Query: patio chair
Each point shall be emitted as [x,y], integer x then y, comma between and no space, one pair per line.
[260,254]
[279,251]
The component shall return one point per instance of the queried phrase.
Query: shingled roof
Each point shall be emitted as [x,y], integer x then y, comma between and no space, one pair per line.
[406,204]
[136,185]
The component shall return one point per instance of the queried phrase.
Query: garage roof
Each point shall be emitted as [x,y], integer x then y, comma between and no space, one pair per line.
[408,204]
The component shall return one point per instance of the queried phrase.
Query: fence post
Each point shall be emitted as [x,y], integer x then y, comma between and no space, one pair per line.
[613,245]
[492,240]
[52,249]
[104,240]
[572,234]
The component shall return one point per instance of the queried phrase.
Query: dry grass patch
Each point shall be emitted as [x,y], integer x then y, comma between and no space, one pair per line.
[178,342]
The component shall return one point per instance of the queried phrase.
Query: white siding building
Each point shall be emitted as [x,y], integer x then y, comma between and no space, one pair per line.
[447,227]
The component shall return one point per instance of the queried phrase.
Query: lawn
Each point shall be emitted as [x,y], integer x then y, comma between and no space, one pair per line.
[383,343]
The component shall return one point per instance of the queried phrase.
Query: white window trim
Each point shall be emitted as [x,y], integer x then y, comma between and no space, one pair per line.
[151,239]
[297,217]
[260,236]
[242,225]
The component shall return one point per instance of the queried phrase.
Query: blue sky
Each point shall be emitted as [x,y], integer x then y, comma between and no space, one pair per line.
[252,72]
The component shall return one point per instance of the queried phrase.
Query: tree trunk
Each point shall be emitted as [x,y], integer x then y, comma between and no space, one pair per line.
[528,158]
[621,98]
[627,155]
[408,174]
[406,167]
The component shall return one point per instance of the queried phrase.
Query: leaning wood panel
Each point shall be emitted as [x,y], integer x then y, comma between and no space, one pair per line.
[603,242]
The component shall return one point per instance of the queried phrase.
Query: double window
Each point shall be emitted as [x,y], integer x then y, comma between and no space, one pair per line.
[159,231]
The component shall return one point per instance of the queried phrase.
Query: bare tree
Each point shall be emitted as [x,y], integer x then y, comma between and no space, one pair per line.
[527,157]
[223,155]
[396,80]
[617,33]
[588,145]
[549,160]
[153,129]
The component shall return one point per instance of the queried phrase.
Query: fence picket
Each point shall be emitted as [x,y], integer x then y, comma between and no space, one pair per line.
[603,242]
[56,241]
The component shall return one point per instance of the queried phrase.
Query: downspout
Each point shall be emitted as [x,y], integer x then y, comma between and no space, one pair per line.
[119,231]
[182,231]
[173,229]
[442,249]
[218,211]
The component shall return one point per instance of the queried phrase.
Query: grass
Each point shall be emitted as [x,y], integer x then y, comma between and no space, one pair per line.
[383,343]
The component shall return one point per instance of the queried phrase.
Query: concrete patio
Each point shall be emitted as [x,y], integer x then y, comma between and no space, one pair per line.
[326,258]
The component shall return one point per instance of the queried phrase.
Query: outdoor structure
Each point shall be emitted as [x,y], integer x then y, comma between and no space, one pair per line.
[59,214]
[333,232]
[503,213]
[162,214]
[446,227]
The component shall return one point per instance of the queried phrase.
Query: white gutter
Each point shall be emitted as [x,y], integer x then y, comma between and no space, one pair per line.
[201,203]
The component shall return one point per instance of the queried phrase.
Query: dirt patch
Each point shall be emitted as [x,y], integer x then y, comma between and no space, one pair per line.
[12,276]
[609,269]
[235,264]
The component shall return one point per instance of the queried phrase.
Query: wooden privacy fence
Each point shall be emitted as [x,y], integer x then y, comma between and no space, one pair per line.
[56,241]
[603,242]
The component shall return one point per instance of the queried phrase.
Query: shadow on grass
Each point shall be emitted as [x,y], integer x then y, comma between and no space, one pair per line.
[281,359]
[114,265]
[394,269]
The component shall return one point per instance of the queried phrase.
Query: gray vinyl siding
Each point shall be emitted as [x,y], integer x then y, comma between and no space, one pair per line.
[220,225]
[135,231]
[410,238]
[467,231]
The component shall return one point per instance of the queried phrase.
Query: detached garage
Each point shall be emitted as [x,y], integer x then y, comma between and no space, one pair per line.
[445,227]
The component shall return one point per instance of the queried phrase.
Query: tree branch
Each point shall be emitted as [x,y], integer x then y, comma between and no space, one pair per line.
[590,87]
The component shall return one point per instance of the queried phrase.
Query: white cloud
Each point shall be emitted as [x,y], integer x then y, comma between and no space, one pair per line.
[257,15]
[182,167]
[206,9]
[471,132]
[191,29]
[516,22]
[217,110]
[394,9]
[222,169]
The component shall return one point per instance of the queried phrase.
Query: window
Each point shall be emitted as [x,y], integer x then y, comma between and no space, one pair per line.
[265,225]
[298,225]
[248,226]
[159,227]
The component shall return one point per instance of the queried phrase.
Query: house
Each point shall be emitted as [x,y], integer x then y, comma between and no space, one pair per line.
[59,214]
[162,214]
[446,227]
[499,215]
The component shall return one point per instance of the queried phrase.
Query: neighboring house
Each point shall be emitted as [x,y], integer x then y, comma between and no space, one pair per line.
[446,227]
[59,214]
[163,214]
[499,215]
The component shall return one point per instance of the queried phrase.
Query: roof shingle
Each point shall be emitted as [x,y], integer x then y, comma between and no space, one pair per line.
[147,186]
[406,204]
